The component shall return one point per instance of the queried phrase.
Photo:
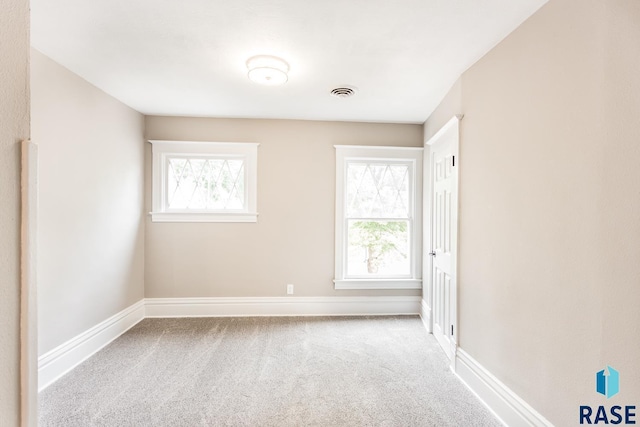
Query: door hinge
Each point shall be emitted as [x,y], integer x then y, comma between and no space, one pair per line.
[453,161]
[451,330]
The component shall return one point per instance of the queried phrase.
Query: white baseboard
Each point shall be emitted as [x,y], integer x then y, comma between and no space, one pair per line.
[57,362]
[425,315]
[280,306]
[62,359]
[502,401]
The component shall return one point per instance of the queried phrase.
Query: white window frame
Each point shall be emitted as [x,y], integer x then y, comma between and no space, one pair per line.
[412,156]
[164,150]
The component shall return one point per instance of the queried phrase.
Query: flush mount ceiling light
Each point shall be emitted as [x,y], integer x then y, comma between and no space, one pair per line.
[268,70]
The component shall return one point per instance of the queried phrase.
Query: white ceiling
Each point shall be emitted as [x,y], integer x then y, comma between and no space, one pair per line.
[187,57]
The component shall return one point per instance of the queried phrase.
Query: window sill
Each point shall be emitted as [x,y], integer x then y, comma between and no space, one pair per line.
[378,284]
[203,217]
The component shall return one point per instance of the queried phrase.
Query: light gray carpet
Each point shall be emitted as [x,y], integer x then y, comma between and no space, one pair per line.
[321,371]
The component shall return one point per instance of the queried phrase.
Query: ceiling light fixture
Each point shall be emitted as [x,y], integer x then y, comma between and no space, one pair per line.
[268,70]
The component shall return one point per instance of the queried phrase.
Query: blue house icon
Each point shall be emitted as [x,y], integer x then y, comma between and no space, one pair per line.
[608,383]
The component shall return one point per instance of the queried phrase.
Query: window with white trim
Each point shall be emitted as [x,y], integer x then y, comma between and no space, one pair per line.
[204,181]
[378,217]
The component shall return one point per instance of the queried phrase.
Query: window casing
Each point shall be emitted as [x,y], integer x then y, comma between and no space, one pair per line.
[204,181]
[378,217]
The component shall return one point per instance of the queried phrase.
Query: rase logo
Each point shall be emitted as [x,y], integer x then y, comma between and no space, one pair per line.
[608,384]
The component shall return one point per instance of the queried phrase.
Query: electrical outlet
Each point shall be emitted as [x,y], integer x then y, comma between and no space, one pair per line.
[289,289]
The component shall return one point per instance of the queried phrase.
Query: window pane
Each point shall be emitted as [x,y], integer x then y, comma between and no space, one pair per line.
[378,248]
[205,184]
[377,190]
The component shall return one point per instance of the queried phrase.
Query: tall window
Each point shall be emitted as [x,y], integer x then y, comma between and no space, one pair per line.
[204,181]
[378,217]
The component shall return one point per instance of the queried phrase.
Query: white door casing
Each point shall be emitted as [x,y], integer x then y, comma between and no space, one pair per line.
[443,223]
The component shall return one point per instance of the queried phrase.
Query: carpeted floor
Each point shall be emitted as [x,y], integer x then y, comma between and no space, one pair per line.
[262,371]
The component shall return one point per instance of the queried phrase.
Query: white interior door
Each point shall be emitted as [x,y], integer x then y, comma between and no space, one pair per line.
[444,231]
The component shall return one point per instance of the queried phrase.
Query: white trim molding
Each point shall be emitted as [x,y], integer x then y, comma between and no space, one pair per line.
[28,293]
[203,217]
[509,408]
[425,315]
[62,359]
[502,401]
[281,306]
[378,284]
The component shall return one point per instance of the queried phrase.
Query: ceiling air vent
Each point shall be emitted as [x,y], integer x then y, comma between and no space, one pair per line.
[343,92]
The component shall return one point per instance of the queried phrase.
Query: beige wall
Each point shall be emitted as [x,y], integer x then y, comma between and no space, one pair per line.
[293,240]
[90,218]
[14,127]
[549,276]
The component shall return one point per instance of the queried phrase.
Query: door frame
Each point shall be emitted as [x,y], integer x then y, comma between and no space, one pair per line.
[451,126]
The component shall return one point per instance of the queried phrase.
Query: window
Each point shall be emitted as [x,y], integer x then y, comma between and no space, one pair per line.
[204,181]
[378,217]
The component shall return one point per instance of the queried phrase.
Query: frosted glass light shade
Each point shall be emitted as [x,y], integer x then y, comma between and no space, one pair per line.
[268,70]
